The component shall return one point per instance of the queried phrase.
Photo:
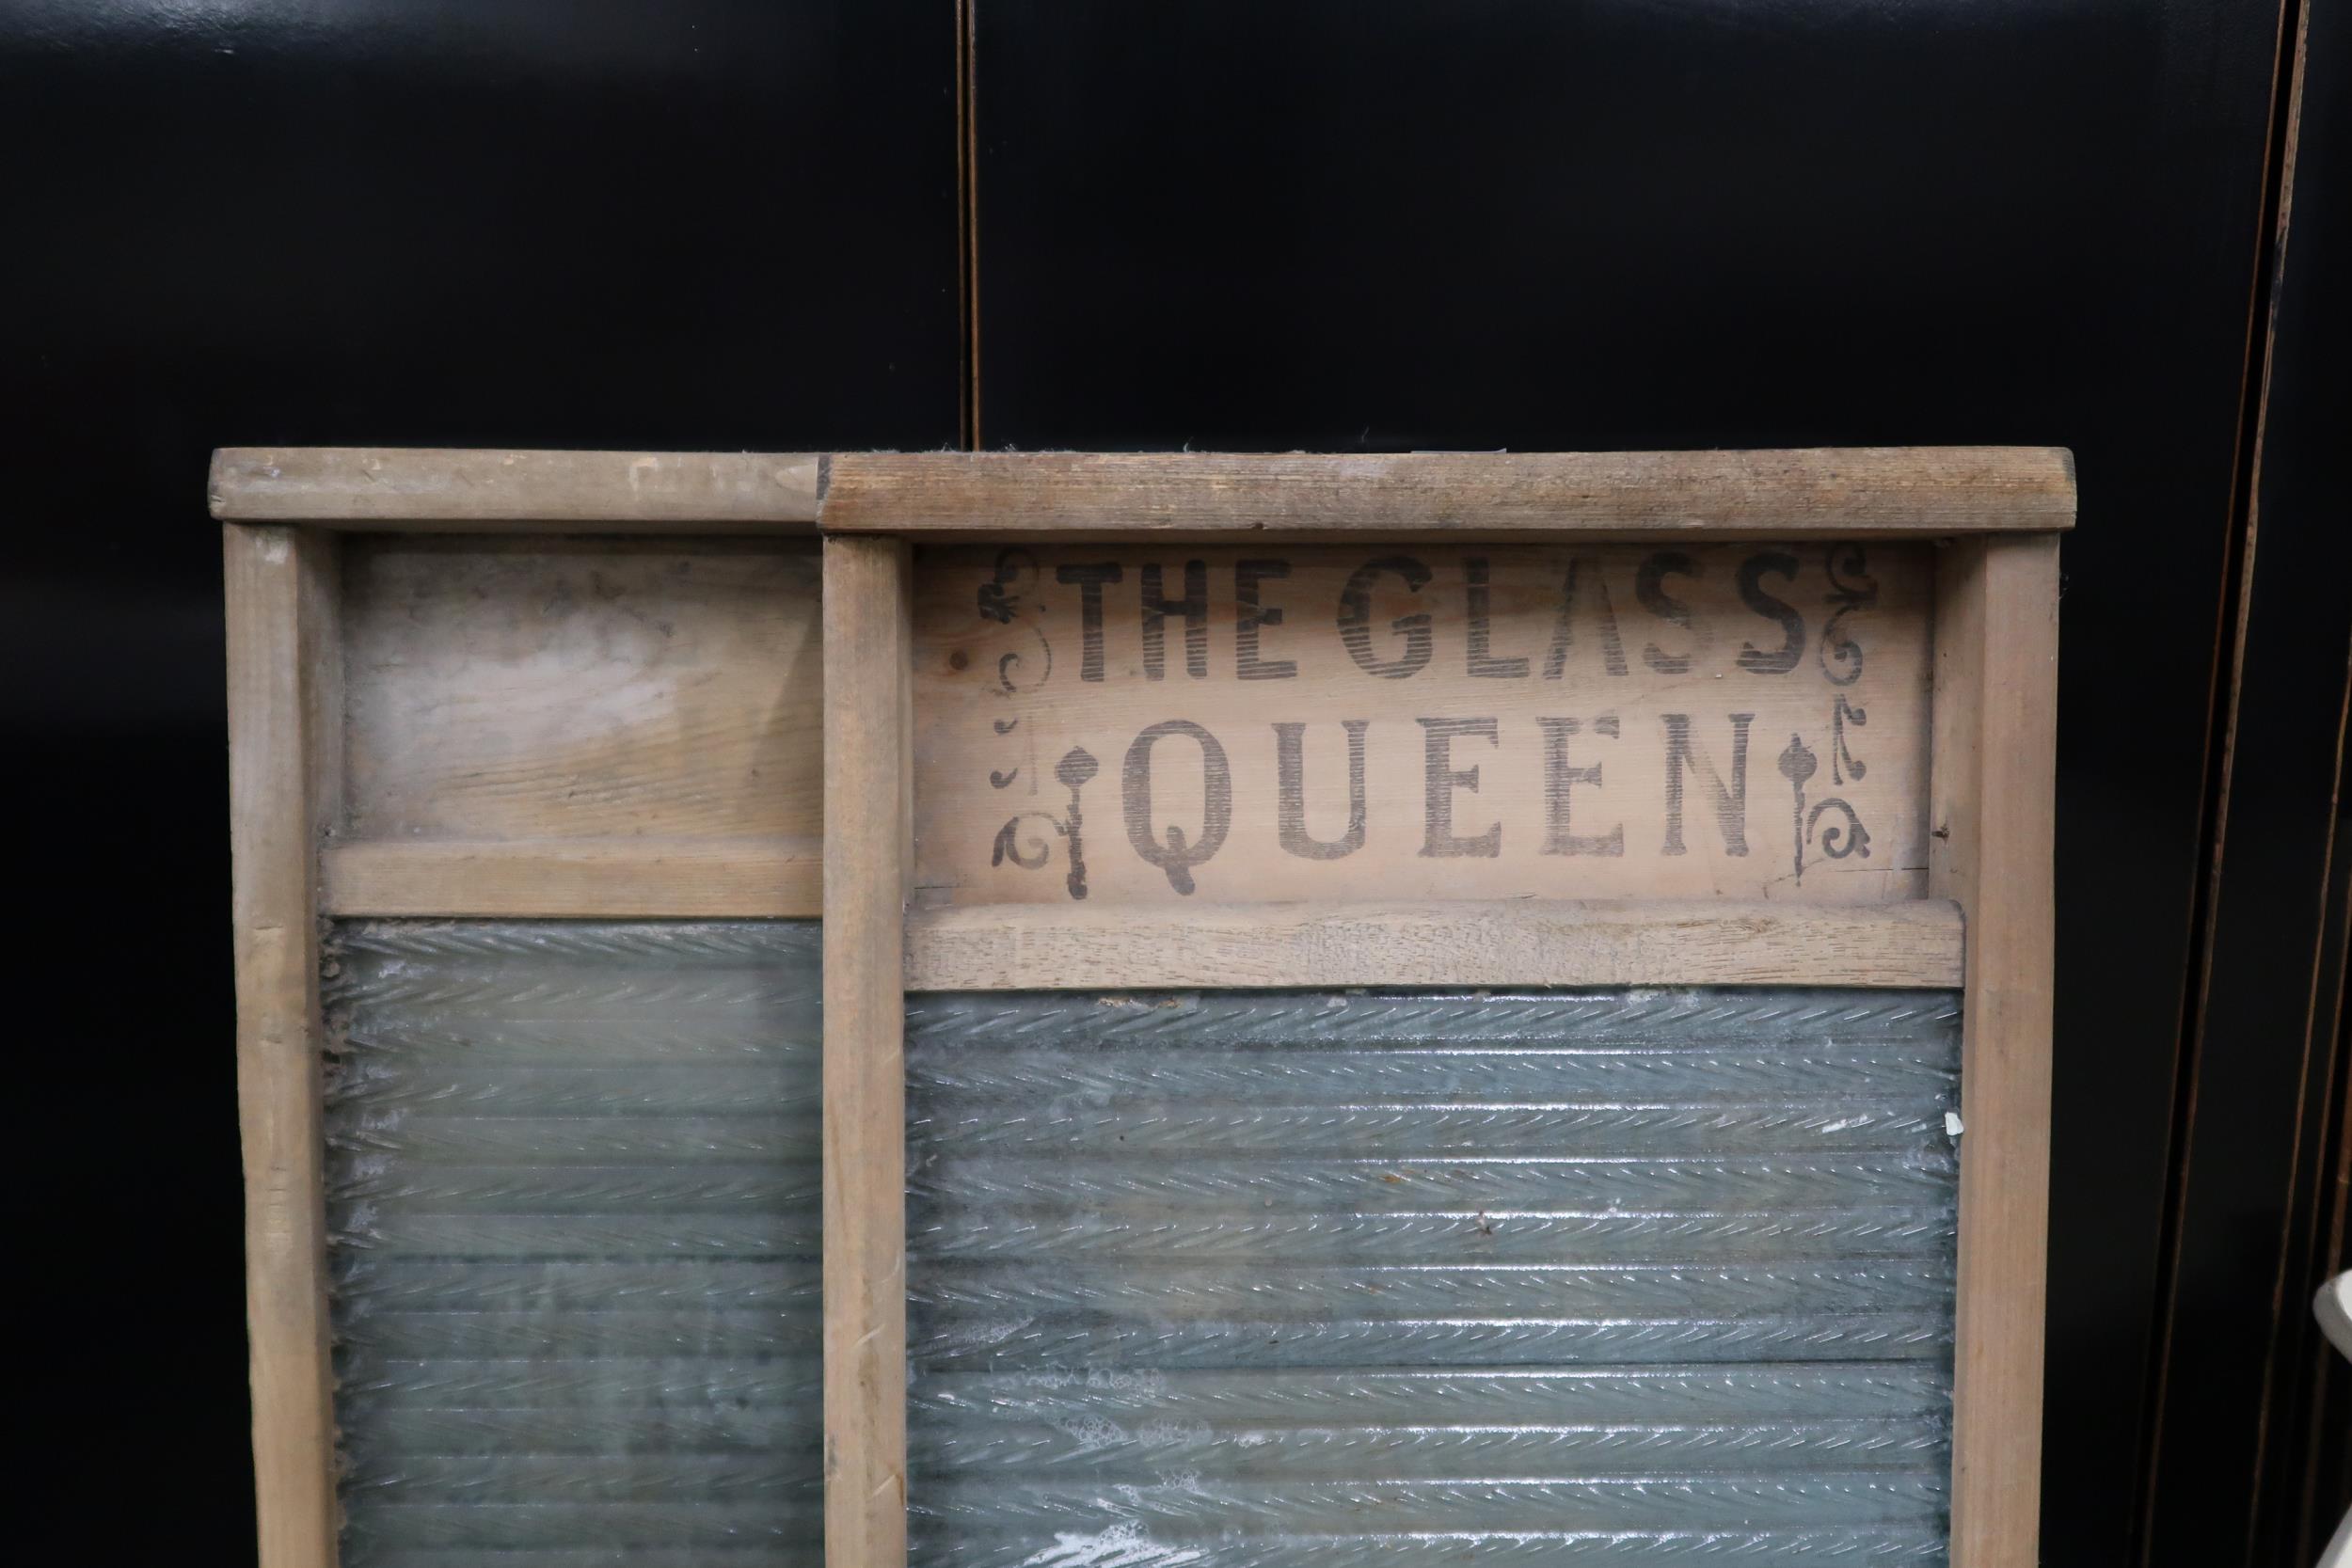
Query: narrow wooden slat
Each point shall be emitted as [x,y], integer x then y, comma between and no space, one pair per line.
[615,878]
[1816,494]
[868,618]
[283,701]
[1993,804]
[453,490]
[1498,942]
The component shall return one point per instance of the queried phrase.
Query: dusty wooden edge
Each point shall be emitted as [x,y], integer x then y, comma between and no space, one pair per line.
[1991,802]
[431,489]
[284,703]
[1482,942]
[1817,493]
[779,878]
[868,618]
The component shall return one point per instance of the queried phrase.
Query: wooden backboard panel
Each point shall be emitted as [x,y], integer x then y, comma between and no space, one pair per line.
[503,689]
[1135,723]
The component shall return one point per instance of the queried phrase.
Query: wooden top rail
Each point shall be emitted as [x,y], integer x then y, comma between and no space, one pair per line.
[425,489]
[1177,497]
[1821,493]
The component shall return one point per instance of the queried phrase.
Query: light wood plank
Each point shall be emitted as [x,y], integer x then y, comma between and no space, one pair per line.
[425,489]
[622,879]
[1993,802]
[1819,493]
[539,688]
[1422,721]
[868,719]
[1497,943]
[283,702]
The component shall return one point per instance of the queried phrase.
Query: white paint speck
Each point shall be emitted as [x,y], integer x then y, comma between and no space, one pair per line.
[1122,1546]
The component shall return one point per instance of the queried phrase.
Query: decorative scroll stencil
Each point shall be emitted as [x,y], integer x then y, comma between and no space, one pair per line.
[573,1209]
[1340,1279]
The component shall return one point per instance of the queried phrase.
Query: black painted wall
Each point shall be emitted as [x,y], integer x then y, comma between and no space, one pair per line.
[684,223]
[2259,1171]
[1323,224]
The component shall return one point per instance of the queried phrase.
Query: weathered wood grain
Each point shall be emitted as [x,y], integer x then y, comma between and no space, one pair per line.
[1498,942]
[420,489]
[1543,722]
[592,878]
[281,587]
[868,708]
[1821,493]
[1994,803]
[540,689]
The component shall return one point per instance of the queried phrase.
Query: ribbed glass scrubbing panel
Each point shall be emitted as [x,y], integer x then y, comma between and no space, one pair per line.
[572,1188]
[1342,1279]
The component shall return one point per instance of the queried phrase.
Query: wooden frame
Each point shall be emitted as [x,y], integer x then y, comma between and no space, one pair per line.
[423,490]
[1851,492]
[595,880]
[282,750]
[1990,794]
[284,514]
[1993,802]
[868,855]
[1464,943]
[1990,803]
[318,495]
